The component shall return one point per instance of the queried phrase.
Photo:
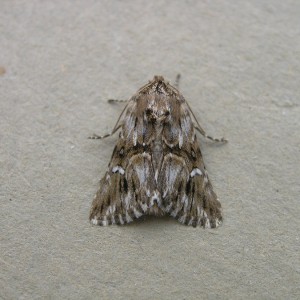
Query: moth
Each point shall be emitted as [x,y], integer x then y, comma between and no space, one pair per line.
[157,167]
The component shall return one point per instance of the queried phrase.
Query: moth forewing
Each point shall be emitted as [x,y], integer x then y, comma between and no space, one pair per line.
[157,166]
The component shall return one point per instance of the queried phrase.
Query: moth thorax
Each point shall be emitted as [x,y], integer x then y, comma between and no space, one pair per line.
[157,114]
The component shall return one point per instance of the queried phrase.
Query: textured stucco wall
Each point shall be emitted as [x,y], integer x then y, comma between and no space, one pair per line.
[240,67]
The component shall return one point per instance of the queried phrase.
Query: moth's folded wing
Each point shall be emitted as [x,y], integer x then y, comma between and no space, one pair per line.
[187,193]
[125,193]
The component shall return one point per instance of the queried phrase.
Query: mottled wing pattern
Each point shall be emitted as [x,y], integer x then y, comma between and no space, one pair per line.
[128,189]
[157,166]
[186,190]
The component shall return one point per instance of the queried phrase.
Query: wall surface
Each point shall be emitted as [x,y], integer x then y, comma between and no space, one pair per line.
[59,63]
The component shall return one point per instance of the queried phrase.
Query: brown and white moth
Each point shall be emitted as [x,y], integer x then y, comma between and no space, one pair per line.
[156,167]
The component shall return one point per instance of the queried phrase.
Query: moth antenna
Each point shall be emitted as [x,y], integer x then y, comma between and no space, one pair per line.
[219,140]
[100,137]
[201,130]
[117,100]
[177,80]
[115,129]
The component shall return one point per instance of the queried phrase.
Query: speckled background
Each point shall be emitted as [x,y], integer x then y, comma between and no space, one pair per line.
[240,67]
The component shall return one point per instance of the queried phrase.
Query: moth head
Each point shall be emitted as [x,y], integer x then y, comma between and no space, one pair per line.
[158,78]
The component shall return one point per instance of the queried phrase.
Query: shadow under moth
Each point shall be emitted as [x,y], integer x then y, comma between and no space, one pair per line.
[157,167]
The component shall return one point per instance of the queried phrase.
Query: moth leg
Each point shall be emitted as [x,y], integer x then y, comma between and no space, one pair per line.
[117,126]
[177,80]
[200,129]
[116,100]
[100,137]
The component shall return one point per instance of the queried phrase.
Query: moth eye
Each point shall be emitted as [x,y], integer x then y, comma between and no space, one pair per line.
[167,113]
[149,111]
[121,152]
[193,154]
